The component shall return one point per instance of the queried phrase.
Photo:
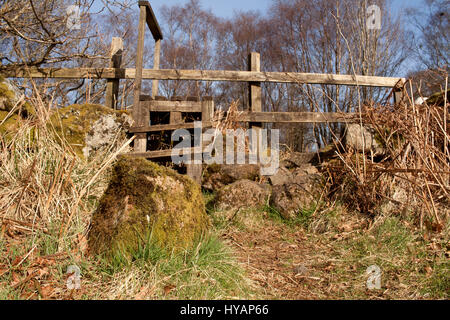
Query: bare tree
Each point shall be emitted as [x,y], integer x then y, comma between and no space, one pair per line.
[188,44]
[55,33]
[431,46]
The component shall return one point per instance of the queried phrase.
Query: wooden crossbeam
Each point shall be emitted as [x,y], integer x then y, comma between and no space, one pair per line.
[172,106]
[205,75]
[164,153]
[167,127]
[296,117]
[151,20]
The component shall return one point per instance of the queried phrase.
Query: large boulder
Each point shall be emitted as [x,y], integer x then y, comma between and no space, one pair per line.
[362,139]
[301,192]
[216,176]
[297,159]
[242,193]
[145,201]
[289,199]
[89,128]
[283,176]
[296,175]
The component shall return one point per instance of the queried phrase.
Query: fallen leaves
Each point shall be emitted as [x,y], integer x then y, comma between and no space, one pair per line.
[168,289]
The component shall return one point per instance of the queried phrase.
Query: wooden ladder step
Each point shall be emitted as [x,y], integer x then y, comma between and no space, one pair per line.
[168,127]
[164,153]
[172,106]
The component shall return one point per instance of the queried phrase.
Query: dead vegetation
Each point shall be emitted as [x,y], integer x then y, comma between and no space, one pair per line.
[411,177]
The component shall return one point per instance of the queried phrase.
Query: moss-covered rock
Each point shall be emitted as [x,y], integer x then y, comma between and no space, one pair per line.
[146,202]
[89,127]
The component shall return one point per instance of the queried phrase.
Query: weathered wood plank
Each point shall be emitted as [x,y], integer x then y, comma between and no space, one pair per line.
[140,119]
[156,60]
[70,73]
[255,92]
[164,153]
[399,96]
[172,106]
[254,76]
[195,171]
[205,75]
[296,117]
[207,107]
[161,108]
[166,127]
[151,20]
[112,87]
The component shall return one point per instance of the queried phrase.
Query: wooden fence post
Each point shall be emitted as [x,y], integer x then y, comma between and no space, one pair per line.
[207,110]
[140,118]
[398,92]
[255,105]
[156,59]
[194,170]
[112,86]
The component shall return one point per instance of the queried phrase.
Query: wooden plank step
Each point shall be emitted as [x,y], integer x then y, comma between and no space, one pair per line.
[164,153]
[167,127]
[172,106]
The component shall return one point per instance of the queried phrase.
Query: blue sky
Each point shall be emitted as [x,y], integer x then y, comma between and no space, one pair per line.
[226,8]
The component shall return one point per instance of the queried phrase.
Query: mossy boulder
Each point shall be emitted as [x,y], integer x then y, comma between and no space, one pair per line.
[90,127]
[144,203]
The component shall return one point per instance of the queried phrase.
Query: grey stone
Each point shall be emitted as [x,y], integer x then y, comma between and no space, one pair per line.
[242,193]
[217,176]
[283,176]
[288,199]
[361,139]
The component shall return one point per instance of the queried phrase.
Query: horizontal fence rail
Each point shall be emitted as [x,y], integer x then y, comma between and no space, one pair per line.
[296,117]
[206,75]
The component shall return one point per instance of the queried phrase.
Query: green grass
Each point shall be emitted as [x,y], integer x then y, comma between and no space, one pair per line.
[207,270]
[404,272]
[304,217]
[439,284]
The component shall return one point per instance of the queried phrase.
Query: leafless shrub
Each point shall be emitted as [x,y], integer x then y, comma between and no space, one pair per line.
[414,172]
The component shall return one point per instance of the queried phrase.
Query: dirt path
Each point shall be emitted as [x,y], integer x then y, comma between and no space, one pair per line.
[277,259]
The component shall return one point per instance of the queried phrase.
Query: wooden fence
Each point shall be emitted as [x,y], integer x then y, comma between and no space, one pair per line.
[143,105]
